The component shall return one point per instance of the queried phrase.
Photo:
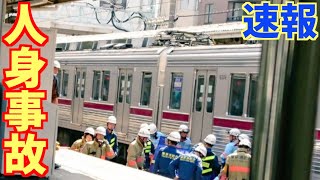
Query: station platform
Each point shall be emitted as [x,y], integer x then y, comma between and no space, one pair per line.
[79,166]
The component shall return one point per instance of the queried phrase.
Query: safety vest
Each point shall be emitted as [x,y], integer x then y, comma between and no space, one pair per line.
[239,165]
[147,147]
[207,164]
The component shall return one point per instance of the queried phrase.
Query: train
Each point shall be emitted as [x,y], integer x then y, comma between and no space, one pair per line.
[211,89]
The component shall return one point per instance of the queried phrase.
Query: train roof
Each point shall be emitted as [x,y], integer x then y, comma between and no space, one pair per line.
[214,29]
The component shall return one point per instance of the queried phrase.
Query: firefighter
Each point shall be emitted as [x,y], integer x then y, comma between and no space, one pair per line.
[166,155]
[188,166]
[231,146]
[111,136]
[136,157]
[88,136]
[185,142]
[155,135]
[210,163]
[100,147]
[238,163]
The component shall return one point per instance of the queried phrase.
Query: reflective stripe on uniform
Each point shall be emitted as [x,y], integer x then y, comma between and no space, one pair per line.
[140,159]
[205,164]
[109,154]
[132,163]
[147,148]
[208,158]
[112,144]
[239,169]
[112,140]
[207,171]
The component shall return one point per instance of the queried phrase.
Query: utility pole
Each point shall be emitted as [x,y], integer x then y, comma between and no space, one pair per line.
[172,13]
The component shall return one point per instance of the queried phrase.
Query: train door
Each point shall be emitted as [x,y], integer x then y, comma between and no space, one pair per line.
[203,107]
[78,95]
[124,99]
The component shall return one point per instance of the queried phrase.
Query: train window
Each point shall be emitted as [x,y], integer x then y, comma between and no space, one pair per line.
[122,85]
[252,95]
[96,85]
[210,96]
[77,83]
[176,90]
[129,85]
[146,89]
[200,92]
[105,85]
[64,87]
[238,84]
[83,84]
[87,45]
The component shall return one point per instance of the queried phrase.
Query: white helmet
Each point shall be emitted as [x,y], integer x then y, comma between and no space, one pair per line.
[243,136]
[235,132]
[144,125]
[210,139]
[183,128]
[245,142]
[174,136]
[201,149]
[152,128]
[56,64]
[101,130]
[89,130]
[144,132]
[112,119]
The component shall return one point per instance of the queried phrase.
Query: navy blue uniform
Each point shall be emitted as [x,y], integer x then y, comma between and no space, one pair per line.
[163,159]
[188,167]
[113,141]
[210,165]
[148,148]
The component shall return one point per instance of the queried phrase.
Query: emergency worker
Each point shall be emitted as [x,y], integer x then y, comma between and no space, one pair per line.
[88,136]
[136,156]
[149,149]
[188,166]
[166,155]
[231,146]
[111,136]
[210,163]
[155,135]
[238,163]
[185,142]
[100,147]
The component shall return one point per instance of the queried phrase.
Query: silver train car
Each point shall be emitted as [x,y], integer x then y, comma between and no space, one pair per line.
[209,88]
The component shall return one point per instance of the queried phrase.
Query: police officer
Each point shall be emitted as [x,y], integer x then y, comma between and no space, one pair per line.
[238,163]
[111,136]
[155,135]
[136,157]
[231,146]
[166,155]
[88,136]
[185,142]
[100,147]
[189,166]
[210,163]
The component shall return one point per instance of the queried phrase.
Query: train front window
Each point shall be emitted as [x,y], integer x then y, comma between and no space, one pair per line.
[176,91]
[96,85]
[252,95]
[211,90]
[237,90]
[65,79]
[200,92]
[146,89]
[105,85]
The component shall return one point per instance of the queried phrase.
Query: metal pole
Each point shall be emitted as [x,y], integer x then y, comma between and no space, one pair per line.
[286,112]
